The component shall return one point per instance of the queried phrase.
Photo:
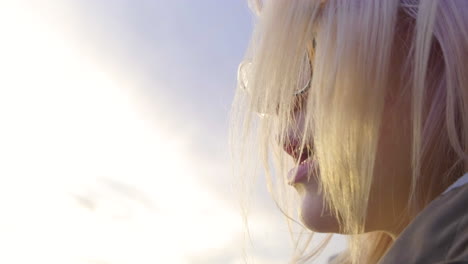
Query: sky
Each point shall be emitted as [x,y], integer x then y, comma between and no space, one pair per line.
[114,145]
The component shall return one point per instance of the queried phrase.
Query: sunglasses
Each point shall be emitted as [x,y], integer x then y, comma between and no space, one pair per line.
[244,72]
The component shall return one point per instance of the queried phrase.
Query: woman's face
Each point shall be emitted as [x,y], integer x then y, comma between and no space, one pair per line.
[390,188]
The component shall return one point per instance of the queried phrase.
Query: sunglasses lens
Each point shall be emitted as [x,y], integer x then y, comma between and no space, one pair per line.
[304,77]
[243,73]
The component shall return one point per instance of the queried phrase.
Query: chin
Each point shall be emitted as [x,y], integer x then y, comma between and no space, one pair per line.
[315,218]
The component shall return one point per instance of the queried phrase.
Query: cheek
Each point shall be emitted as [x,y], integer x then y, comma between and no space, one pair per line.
[315,217]
[392,171]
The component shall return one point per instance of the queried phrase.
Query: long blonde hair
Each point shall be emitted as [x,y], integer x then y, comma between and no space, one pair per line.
[355,43]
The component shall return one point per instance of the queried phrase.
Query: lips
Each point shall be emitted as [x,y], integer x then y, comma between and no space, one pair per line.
[293,148]
[304,173]
[303,156]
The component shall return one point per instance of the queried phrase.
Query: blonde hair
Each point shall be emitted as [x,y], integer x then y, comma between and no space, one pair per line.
[356,41]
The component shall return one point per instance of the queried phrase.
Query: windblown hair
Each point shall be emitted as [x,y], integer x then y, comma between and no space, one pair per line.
[356,42]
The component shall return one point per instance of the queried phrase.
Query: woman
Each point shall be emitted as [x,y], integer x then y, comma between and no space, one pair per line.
[369,100]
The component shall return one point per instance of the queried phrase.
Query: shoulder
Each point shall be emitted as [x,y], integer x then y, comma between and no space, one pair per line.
[439,234]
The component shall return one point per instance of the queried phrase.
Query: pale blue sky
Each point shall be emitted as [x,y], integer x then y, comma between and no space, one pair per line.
[192,46]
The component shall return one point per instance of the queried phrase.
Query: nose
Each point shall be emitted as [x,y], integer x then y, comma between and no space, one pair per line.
[293,136]
[293,140]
